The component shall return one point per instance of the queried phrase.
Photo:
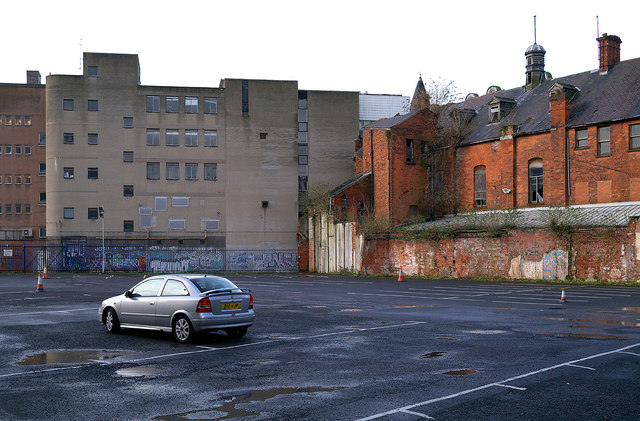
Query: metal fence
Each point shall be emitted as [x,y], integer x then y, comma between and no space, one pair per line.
[28,257]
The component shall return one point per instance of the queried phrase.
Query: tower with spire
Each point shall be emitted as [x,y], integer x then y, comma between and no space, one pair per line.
[420,97]
[534,55]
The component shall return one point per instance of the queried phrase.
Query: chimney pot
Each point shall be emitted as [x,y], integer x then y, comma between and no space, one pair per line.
[609,51]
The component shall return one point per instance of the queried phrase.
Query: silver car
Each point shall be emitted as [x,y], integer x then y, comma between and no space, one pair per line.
[182,304]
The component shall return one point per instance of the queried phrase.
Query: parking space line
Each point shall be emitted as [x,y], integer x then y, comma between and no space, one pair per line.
[630,353]
[51,311]
[511,379]
[508,386]
[581,366]
[425,416]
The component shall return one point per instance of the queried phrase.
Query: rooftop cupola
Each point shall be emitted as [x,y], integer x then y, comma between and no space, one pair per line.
[535,62]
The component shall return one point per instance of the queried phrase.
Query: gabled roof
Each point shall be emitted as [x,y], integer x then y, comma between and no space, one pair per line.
[387,123]
[349,183]
[600,98]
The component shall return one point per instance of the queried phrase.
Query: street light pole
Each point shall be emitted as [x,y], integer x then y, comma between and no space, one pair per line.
[101,212]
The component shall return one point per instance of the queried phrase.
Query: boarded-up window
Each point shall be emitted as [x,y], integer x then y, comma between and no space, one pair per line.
[145,217]
[179,201]
[161,203]
[177,224]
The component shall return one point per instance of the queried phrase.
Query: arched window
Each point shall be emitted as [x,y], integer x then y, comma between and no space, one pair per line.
[480,186]
[535,181]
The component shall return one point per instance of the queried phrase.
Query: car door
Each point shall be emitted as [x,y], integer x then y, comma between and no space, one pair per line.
[139,308]
[174,297]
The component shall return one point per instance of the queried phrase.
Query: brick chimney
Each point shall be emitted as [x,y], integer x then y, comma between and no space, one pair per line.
[609,46]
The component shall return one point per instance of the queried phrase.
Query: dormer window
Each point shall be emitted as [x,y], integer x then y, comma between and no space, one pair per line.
[499,108]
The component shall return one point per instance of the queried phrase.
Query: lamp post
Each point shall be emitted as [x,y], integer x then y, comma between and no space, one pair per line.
[101,213]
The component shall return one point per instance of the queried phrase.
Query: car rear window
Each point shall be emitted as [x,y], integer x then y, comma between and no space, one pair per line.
[208,284]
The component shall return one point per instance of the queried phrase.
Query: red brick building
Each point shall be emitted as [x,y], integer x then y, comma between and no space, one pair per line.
[22,159]
[553,141]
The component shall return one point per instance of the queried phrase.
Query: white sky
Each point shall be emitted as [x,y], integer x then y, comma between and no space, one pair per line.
[374,46]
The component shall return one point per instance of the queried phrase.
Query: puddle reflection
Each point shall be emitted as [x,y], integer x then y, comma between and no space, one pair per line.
[459,372]
[70,357]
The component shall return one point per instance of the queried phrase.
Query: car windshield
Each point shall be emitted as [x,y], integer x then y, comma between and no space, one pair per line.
[210,284]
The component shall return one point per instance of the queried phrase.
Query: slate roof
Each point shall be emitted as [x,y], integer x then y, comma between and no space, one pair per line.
[349,183]
[609,215]
[600,98]
[387,123]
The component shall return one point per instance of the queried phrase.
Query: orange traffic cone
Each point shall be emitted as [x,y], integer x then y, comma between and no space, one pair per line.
[400,278]
[44,273]
[40,287]
[563,298]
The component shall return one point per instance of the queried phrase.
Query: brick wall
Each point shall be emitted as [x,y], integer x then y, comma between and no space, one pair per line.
[596,254]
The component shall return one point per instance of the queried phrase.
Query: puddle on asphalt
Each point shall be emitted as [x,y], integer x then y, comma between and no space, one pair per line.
[254,363]
[228,409]
[446,338]
[636,309]
[145,370]
[485,332]
[435,354]
[597,321]
[459,372]
[351,309]
[589,335]
[71,357]
[421,306]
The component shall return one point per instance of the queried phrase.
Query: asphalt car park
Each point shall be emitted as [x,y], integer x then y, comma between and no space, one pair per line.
[328,347]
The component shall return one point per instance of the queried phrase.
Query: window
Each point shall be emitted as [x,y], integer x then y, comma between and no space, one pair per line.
[27,179]
[174,288]
[190,171]
[211,224]
[191,105]
[92,71]
[303,159]
[8,179]
[413,211]
[127,190]
[18,149]
[494,113]
[582,139]
[43,232]
[92,138]
[92,213]
[172,137]
[190,138]
[173,171]
[343,203]
[0,209]
[150,288]
[146,217]
[177,223]
[128,225]
[210,138]
[7,149]
[153,104]
[8,209]
[172,104]
[18,179]
[67,104]
[27,149]
[67,138]
[8,120]
[604,141]
[67,172]
[211,105]
[153,137]
[0,179]
[303,138]
[161,203]
[245,97]
[42,168]
[127,122]
[42,198]
[303,127]
[302,183]
[535,181]
[18,120]
[127,156]
[92,173]
[42,139]
[68,213]
[27,120]
[179,201]
[410,151]
[92,105]
[153,171]
[27,208]
[480,186]
[211,172]
[634,136]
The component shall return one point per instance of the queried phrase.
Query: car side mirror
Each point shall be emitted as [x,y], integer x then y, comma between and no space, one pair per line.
[128,294]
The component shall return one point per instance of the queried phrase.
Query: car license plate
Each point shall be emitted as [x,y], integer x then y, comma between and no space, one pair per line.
[231,306]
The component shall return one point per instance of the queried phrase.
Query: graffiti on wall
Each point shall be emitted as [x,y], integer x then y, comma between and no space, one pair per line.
[553,265]
[181,260]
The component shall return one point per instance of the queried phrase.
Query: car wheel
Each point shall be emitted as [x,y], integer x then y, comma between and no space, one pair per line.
[237,332]
[182,329]
[111,321]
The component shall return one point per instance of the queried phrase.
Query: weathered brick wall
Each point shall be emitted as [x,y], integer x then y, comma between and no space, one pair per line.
[601,254]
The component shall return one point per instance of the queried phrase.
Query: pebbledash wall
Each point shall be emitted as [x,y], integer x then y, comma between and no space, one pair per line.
[602,254]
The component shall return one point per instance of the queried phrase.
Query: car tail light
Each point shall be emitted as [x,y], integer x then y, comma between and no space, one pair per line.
[250,302]
[204,306]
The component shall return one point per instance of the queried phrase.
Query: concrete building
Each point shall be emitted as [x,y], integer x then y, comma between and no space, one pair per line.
[187,165]
[22,159]
[374,107]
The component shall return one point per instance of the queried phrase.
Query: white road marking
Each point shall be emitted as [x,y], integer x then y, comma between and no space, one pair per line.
[509,380]
[418,414]
[51,311]
[630,353]
[581,366]
[511,387]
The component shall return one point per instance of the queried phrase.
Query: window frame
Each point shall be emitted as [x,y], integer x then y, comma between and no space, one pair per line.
[126,155]
[153,137]
[191,171]
[153,168]
[536,181]
[171,134]
[633,138]
[68,104]
[191,138]
[68,138]
[211,166]
[92,213]
[153,106]
[480,194]
[92,173]
[169,103]
[584,139]
[604,141]
[68,173]
[92,138]
[127,190]
[191,105]
[126,224]
[209,135]
[175,169]
[92,105]
[68,213]
[210,105]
